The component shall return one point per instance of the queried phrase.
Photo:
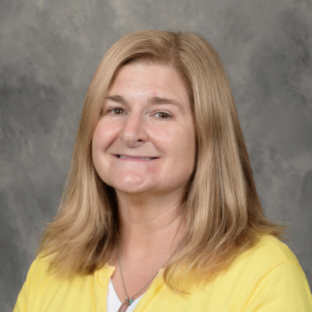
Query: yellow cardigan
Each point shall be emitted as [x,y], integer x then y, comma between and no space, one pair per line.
[265,278]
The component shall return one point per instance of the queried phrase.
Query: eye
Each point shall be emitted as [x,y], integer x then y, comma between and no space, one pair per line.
[162,115]
[116,111]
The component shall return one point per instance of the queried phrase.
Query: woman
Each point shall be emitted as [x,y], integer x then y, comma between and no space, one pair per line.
[160,211]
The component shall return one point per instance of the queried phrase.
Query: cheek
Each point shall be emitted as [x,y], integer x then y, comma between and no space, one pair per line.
[188,149]
[179,142]
[97,144]
[103,136]
[96,148]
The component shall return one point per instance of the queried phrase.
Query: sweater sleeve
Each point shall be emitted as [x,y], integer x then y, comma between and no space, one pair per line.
[283,289]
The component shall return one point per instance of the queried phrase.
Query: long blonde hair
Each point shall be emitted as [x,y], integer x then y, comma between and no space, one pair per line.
[223,212]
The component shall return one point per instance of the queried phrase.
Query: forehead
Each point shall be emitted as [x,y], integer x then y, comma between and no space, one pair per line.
[149,76]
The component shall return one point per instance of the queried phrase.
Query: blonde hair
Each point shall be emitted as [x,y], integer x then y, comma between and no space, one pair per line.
[223,212]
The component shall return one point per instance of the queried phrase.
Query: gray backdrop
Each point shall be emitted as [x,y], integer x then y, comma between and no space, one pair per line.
[49,51]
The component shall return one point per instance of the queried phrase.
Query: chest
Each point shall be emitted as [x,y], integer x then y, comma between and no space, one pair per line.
[89,296]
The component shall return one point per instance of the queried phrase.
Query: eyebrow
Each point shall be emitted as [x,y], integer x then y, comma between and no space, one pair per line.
[153,100]
[158,100]
[117,98]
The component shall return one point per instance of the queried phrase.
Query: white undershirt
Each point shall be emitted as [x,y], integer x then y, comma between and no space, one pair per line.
[113,303]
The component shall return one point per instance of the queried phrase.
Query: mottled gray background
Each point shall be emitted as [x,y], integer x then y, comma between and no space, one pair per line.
[48,53]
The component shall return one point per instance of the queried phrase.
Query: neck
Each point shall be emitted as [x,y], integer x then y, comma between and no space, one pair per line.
[151,228]
[149,224]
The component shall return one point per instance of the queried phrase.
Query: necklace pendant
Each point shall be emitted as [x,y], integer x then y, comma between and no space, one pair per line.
[125,305]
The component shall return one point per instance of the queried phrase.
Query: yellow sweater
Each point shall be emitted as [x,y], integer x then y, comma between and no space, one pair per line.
[265,278]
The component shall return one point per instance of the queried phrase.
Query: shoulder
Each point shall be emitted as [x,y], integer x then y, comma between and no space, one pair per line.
[38,274]
[269,252]
[44,290]
[268,255]
[267,275]
[270,263]
[40,268]
[42,272]
[35,276]
[274,276]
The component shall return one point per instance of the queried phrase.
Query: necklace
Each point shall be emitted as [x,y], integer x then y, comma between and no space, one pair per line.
[128,301]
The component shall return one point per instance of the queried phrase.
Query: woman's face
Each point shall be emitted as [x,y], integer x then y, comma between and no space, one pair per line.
[144,141]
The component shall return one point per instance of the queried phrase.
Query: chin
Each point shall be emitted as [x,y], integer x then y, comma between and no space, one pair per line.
[129,184]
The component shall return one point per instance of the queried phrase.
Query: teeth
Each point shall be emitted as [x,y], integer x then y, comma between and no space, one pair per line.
[144,158]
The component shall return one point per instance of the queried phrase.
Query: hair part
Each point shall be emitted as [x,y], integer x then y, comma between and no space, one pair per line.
[223,212]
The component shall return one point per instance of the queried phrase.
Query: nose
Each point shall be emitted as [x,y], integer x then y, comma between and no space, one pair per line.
[133,132]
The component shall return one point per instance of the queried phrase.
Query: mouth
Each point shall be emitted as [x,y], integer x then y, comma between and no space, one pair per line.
[136,157]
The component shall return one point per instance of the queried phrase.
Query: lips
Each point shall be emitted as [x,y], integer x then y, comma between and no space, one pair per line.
[135,157]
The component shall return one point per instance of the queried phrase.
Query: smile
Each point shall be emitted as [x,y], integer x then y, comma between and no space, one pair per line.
[135,157]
